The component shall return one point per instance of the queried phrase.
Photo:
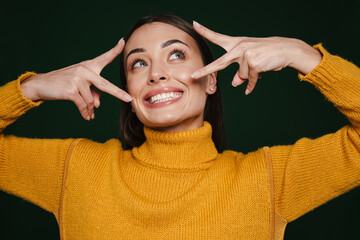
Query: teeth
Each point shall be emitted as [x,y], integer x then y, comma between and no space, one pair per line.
[162,97]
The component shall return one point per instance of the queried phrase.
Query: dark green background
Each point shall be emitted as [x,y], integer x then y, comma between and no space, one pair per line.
[47,35]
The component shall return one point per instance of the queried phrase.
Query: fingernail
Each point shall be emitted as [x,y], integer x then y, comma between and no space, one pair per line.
[88,118]
[195,74]
[128,97]
[196,24]
[122,39]
[233,83]
[247,91]
[92,116]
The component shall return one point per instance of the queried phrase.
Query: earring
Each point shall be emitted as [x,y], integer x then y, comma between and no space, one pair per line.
[211,89]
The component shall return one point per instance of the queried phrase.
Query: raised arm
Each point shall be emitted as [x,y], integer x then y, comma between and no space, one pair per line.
[29,168]
[34,169]
[310,172]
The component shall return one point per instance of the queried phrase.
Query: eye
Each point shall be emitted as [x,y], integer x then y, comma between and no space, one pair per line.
[177,54]
[137,63]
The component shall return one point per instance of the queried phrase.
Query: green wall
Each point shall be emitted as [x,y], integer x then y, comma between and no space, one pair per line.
[47,35]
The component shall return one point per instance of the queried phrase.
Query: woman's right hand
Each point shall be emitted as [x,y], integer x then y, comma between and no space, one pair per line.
[79,83]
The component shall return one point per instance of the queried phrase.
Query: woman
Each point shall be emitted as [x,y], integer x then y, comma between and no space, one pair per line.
[173,183]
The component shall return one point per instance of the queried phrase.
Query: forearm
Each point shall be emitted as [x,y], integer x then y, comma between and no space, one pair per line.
[339,81]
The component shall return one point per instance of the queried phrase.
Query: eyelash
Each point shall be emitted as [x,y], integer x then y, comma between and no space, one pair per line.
[183,52]
[133,62]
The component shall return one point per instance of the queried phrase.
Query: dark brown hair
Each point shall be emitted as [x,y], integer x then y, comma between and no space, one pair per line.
[131,127]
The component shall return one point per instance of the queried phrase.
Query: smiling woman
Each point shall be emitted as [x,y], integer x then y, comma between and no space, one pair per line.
[174,182]
[160,69]
[167,67]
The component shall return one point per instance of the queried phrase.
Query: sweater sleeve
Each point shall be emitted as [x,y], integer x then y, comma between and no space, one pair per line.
[29,168]
[312,172]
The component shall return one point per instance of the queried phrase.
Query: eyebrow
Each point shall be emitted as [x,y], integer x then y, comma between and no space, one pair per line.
[136,50]
[172,41]
[163,45]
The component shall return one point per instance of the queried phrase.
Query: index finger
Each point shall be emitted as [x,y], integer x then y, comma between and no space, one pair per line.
[106,86]
[219,64]
[104,59]
[222,40]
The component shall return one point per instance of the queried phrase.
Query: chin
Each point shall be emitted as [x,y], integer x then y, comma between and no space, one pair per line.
[171,123]
[161,121]
[173,118]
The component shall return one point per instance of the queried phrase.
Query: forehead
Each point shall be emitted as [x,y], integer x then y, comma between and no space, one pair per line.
[151,35]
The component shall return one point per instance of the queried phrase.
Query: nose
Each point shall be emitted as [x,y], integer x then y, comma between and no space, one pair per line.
[157,73]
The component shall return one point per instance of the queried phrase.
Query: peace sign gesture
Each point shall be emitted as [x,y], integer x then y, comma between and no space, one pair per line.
[79,83]
[257,55]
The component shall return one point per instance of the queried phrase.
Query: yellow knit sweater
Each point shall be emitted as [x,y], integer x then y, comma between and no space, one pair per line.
[176,185]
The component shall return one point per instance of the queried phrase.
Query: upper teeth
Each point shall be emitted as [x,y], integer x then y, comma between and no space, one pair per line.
[161,97]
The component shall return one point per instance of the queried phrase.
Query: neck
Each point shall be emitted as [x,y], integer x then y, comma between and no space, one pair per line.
[192,149]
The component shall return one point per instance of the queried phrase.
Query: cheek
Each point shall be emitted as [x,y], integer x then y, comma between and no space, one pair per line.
[196,87]
[134,90]
[182,73]
[133,86]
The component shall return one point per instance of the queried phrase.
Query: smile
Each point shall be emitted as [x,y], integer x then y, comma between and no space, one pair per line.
[163,97]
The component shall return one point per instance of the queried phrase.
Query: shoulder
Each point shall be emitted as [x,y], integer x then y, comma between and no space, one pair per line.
[88,150]
[88,159]
[253,160]
[247,171]
[87,144]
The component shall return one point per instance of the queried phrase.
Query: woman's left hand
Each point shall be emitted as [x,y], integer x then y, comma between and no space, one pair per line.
[257,55]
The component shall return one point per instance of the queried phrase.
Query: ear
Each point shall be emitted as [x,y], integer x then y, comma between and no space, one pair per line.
[211,85]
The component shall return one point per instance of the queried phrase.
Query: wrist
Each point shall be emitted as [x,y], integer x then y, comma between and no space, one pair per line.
[305,58]
[27,88]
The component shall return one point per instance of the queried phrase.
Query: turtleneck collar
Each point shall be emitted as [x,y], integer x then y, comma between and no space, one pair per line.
[188,150]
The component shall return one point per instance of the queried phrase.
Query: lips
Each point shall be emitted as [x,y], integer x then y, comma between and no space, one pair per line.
[163,96]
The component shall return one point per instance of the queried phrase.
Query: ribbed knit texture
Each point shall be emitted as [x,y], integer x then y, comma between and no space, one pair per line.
[176,185]
[29,168]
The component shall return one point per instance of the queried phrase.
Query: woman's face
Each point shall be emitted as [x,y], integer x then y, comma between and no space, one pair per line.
[159,59]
